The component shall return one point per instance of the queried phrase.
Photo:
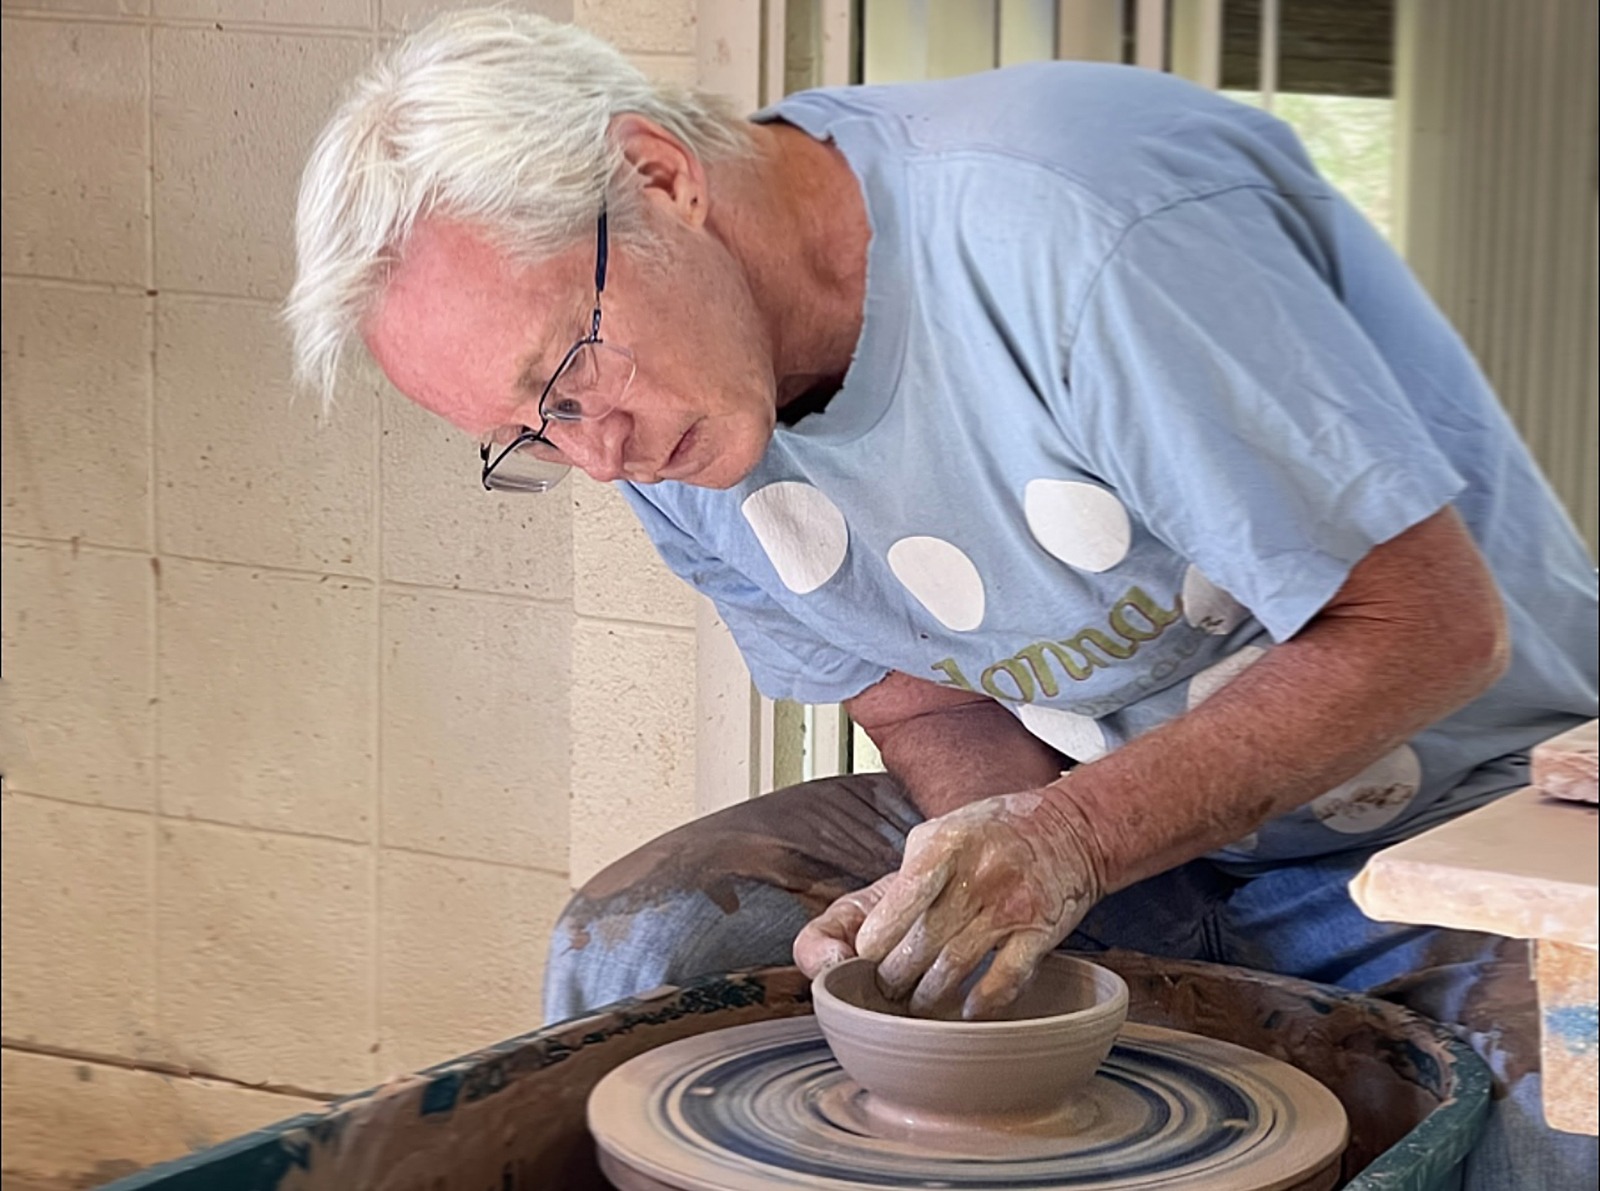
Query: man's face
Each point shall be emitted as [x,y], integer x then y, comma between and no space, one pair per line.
[473,336]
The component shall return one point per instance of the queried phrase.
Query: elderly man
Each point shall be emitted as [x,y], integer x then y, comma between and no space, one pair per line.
[1064,424]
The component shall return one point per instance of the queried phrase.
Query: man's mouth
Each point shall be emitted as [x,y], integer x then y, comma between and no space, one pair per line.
[680,453]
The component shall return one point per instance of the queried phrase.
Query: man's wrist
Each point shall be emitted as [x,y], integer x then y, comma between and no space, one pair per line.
[1063,814]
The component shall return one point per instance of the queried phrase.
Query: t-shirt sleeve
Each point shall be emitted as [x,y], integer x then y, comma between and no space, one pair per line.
[786,658]
[1218,383]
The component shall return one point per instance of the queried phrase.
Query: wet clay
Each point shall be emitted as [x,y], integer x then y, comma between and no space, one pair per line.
[1031,1062]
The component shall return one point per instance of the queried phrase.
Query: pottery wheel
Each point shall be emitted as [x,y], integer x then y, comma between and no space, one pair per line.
[765,1106]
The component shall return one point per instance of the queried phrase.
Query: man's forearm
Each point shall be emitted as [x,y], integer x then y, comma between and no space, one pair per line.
[1416,632]
[948,759]
[1313,712]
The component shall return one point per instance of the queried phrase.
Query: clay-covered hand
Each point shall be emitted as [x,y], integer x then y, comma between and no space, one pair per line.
[830,937]
[1010,875]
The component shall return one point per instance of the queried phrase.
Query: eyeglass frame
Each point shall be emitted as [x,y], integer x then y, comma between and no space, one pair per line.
[592,339]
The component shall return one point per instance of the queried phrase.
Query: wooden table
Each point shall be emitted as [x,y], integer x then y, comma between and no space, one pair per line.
[1525,867]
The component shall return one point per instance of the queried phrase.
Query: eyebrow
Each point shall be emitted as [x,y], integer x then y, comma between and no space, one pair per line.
[533,376]
[531,379]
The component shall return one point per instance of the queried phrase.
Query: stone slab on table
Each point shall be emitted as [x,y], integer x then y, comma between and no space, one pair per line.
[1568,766]
[1528,867]
[1524,866]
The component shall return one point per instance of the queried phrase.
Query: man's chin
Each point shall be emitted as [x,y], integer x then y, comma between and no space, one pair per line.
[724,469]
[716,477]
[719,484]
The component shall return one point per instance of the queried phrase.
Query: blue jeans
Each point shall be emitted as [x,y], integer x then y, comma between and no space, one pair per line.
[732,890]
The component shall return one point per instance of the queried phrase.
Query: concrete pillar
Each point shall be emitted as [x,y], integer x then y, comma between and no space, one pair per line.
[1496,207]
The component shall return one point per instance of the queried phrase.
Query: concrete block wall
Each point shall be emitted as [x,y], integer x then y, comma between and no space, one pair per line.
[305,737]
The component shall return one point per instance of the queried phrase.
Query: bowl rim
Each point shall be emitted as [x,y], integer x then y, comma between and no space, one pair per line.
[1117,1003]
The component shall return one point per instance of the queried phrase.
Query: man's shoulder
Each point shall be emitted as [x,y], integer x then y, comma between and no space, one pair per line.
[1042,94]
[1124,140]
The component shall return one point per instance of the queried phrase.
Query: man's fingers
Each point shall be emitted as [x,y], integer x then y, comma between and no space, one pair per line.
[900,970]
[959,959]
[830,937]
[950,914]
[815,951]
[904,900]
[1013,967]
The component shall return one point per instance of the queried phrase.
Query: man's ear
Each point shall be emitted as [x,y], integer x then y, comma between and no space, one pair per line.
[669,172]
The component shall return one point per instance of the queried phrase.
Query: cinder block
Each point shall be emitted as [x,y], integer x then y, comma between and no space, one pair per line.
[616,571]
[76,650]
[76,441]
[346,14]
[266,956]
[99,8]
[633,739]
[413,14]
[76,150]
[69,1123]
[475,731]
[268,682]
[235,116]
[441,529]
[78,912]
[462,955]
[682,69]
[640,26]
[247,473]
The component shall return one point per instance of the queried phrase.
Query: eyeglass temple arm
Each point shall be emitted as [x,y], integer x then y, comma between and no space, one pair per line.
[601,253]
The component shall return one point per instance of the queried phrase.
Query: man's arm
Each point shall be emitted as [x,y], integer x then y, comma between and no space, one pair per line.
[950,747]
[1416,631]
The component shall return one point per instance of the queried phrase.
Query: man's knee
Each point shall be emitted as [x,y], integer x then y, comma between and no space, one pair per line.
[727,891]
[718,894]
[1481,986]
[814,842]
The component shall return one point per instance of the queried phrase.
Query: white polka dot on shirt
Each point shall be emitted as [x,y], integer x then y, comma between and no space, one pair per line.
[802,531]
[1081,524]
[1213,678]
[1375,797]
[1206,606]
[1076,736]
[942,578]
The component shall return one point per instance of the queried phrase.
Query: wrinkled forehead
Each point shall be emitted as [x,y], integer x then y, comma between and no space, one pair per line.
[456,262]
[460,325]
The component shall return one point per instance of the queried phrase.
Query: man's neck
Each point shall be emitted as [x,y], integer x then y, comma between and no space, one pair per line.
[798,223]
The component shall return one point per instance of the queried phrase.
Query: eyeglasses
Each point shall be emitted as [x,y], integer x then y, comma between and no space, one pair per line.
[587,385]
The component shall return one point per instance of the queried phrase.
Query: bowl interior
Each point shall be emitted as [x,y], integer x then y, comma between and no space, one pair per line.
[1064,987]
[1026,1065]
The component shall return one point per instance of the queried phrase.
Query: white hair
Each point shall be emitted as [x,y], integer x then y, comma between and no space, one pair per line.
[489,116]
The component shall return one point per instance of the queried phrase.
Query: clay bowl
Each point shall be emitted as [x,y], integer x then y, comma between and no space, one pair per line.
[1029,1064]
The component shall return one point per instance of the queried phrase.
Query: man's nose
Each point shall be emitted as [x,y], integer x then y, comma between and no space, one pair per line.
[597,446]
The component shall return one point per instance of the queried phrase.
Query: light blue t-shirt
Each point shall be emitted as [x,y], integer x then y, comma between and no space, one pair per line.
[1136,389]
